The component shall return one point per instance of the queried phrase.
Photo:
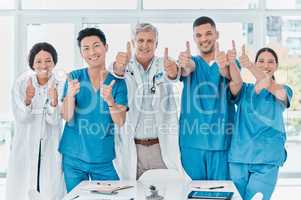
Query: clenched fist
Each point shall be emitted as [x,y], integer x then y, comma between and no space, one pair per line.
[53,94]
[170,66]
[73,87]
[122,60]
[30,92]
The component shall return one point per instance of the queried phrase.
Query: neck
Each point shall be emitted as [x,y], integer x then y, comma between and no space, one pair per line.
[42,81]
[97,73]
[97,69]
[144,64]
[208,57]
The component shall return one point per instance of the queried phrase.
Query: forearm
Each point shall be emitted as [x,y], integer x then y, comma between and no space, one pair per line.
[236,80]
[224,71]
[68,107]
[259,75]
[118,114]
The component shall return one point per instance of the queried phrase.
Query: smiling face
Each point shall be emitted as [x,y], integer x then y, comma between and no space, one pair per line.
[93,51]
[205,36]
[267,63]
[146,44]
[43,64]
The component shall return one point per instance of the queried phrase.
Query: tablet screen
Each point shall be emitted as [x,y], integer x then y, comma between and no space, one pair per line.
[210,195]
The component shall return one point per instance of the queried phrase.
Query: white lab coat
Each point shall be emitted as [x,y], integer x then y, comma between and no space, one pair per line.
[166,119]
[40,121]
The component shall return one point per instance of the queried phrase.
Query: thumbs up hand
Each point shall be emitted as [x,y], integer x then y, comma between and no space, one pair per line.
[53,94]
[231,53]
[73,87]
[244,59]
[185,60]
[122,60]
[30,92]
[220,57]
[106,92]
[170,66]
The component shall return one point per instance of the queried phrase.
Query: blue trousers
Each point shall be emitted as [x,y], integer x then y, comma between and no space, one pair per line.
[205,165]
[252,178]
[76,171]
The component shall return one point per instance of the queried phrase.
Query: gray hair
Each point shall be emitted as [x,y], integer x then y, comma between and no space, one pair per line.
[144,27]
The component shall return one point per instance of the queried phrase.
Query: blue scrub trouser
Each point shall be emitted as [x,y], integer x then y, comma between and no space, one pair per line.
[252,178]
[205,165]
[76,171]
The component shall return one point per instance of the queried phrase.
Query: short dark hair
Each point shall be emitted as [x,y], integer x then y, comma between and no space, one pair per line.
[268,50]
[91,32]
[42,46]
[203,20]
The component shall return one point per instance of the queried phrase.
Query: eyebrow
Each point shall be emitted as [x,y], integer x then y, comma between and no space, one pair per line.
[48,58]
[92,44]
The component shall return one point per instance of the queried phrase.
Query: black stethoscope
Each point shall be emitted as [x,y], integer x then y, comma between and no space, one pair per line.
[153,88]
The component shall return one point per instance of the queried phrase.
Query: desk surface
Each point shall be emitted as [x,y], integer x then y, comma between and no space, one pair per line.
[173,190]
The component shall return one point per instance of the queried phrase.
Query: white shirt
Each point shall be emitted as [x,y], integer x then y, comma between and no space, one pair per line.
[146,126]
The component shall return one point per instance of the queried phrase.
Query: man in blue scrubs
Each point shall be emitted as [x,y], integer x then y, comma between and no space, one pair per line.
[206,119]
[94,100]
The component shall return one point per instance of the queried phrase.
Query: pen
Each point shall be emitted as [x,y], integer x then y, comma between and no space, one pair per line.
[210,188]
[216,187]
[75,197]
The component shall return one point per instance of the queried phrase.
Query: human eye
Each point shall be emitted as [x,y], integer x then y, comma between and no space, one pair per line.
[85,49]
[209,33]
[97,45]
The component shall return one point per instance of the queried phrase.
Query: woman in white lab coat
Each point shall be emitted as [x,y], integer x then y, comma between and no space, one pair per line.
[34,170]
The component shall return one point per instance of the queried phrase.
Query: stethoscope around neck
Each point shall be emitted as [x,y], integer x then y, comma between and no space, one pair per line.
[153,88]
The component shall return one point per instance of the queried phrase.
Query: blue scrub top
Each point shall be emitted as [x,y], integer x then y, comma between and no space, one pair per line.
[89,136]
[259,133]
[207,113]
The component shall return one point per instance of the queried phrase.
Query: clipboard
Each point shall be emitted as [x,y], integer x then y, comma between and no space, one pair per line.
[104,188]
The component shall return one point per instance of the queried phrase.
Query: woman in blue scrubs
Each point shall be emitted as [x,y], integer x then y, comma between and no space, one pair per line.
[257,148]
[94,100]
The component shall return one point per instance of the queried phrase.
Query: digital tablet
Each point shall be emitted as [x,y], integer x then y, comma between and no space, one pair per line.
[210,195]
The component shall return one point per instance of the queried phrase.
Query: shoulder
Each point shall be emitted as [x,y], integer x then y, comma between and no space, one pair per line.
[197,59]
[118,81]
[288,89]
[247,88]
[22,78]
[77,74]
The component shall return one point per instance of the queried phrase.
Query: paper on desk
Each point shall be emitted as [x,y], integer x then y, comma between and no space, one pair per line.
[104,187]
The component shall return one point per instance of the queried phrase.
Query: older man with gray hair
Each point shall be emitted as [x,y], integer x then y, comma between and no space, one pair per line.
[149,139]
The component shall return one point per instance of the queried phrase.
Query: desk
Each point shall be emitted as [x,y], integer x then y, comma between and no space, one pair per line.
[175,190]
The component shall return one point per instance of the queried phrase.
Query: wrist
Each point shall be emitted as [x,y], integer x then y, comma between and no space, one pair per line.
[53,103]
[119,70]
[271,86]
[69,98]
[27,102]
[111,104]
[173,76]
